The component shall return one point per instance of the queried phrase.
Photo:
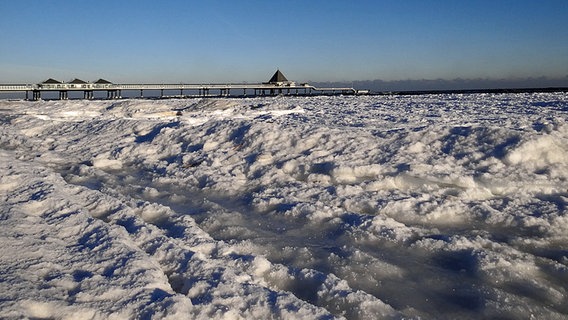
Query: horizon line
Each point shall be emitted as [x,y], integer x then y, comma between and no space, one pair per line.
[456,79]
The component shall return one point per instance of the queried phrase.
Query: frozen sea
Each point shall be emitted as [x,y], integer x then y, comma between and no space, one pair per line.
[371,207]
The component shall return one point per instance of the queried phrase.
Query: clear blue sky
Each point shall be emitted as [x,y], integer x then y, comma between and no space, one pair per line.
[219,41]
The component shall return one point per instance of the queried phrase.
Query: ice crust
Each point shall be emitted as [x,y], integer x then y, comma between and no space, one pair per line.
[384,207]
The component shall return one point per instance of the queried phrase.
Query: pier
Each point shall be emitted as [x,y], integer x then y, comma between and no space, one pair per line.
[277,85]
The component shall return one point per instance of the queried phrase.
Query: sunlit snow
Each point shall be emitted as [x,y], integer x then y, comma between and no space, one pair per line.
[378,207]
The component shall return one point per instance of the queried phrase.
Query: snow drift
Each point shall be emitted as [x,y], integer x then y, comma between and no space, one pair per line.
[439,206]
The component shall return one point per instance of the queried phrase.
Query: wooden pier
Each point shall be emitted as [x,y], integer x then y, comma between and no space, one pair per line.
[277,85]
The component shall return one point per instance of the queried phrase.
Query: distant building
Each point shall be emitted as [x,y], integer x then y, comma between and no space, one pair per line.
[51,84]
[102,81]
[279,79]
[78,83]
[51,81]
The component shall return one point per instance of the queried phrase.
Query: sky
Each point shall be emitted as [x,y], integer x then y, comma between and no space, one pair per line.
[246,41]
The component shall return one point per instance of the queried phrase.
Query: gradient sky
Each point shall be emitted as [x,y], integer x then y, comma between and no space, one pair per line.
[233,41]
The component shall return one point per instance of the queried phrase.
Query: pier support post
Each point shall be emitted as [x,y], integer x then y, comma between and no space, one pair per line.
[141,93]
[161,93]
[113,94]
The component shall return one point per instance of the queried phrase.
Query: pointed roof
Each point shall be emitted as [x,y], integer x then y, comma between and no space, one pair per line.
[277,77]
[102,81]
[51,81]
[77,81]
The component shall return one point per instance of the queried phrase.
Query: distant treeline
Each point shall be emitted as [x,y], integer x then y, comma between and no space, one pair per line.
[542,84]
[511,90]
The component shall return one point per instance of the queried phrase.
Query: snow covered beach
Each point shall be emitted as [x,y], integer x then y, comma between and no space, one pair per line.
[386,207]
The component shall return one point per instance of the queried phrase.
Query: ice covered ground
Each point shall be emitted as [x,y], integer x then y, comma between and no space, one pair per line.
[432,207]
